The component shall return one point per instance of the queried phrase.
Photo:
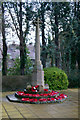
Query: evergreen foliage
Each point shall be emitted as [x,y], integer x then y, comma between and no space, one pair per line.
[74,78]
[55,78]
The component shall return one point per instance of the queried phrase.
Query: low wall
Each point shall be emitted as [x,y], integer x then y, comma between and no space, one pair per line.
[12,83]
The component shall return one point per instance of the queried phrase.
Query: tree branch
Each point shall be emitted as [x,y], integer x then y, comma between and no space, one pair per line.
[16,11]
[14,23]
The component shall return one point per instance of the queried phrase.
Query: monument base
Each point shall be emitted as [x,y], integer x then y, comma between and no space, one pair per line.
[38,78]
[12,98]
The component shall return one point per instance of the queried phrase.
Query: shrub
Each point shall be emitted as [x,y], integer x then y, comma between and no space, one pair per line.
[15,70]
[55,78]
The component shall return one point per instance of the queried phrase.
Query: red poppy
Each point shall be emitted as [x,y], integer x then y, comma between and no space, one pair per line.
[32,87]
[52,94]
[41,94]
[63,95]
[33,90]
[36,95]
[49,94]
[45,94]
[57,98]
[25,99]
[43,99]
[53,99]
[30,95]
[49,99]
[53,91]
[35,100]
[57,92]
[20,93]
[31,100]
[60,98]
[46,90]
[36,86]
[27,94]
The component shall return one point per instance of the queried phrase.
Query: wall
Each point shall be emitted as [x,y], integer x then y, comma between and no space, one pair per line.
[12,83]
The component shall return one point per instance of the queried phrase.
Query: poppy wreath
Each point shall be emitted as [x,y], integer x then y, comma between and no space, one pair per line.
[33,96]
[33,89]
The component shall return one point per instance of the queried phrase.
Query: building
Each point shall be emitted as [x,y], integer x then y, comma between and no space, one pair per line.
[14,52]
[31,49]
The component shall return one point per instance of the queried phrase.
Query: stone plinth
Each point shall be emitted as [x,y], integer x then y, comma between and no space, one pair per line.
[38,78]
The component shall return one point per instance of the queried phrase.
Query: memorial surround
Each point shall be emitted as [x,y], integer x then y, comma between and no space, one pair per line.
[33,95]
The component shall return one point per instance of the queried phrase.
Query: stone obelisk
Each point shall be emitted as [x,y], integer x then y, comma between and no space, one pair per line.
[38,73]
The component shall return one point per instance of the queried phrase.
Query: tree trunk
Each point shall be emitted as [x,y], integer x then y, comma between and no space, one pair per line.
[78,56]
[22,44]
[62,57]
[52,61]
[67,62]
[43,37]
[57,56]
[4,59]
[73,59]
[75,8]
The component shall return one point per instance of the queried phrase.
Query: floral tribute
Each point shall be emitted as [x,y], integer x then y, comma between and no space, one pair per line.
[33,95]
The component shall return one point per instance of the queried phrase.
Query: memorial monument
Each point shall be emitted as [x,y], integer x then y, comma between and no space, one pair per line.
[38,73]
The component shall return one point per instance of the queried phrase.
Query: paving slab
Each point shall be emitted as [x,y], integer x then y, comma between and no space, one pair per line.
[67,109]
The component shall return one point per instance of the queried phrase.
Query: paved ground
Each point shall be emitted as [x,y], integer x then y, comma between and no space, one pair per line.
[67,109]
